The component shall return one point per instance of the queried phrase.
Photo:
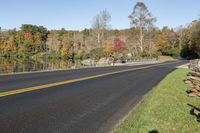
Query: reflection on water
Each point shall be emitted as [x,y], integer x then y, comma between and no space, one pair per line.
[27,65]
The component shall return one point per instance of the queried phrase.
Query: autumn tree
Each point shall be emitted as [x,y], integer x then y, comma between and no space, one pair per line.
[191,40]
[8,44]
[162,40]
[108,49]
[100,25]
[66,51]
[66,42]
[35,36]
[188,49]
[1,42]
[195,36]
[119,45]
[142,20]
[167,42]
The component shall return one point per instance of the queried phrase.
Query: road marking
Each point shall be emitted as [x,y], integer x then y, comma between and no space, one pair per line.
[18,91]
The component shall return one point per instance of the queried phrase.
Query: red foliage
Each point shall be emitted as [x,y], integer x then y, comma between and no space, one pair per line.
[119,45]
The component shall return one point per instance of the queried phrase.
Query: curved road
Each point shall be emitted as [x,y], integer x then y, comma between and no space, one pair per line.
[94,104]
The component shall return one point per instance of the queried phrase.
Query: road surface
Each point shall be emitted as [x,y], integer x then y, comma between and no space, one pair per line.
[86,105]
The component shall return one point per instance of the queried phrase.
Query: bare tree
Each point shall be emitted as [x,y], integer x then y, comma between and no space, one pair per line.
[180,32]
[142,20]
[100,25]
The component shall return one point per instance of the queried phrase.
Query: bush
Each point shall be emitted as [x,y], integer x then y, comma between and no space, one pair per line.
[188,53]
[155,55]
[81,56]
[117,55]
[174,52]
[97,53]
[85,56]
[146,54]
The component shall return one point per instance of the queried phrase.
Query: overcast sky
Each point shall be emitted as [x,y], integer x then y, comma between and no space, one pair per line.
[78,14]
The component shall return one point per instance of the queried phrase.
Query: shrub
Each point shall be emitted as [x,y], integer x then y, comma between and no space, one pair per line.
[97,53]
[174,52]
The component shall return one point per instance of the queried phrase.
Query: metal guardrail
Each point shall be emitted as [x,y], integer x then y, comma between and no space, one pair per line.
[23,68]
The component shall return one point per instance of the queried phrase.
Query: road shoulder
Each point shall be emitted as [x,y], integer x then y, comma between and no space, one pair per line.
[165,109]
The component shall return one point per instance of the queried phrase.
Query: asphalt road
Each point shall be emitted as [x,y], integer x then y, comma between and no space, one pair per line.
[89,106]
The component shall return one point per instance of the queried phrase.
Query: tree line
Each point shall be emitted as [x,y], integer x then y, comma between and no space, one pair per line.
[142,40]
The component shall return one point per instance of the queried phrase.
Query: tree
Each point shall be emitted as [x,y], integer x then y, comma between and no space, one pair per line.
[162,40]
[188,46]
[116,33]
[66,52]
[9,44]
[100,25]
[119,45]
[180,32]
[141,19]
[36,36]
[86,34]
[66,47]
[195,37]
[108,49]
[173,39]
[167,42]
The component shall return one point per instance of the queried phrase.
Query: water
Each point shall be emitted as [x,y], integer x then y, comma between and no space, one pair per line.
[29,65]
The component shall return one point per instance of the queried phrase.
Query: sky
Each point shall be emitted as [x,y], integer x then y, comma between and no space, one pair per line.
[79,14]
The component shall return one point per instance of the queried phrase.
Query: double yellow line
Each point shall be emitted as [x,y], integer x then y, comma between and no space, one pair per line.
[18,91]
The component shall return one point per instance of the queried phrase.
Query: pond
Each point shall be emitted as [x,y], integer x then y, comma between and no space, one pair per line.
[29,65]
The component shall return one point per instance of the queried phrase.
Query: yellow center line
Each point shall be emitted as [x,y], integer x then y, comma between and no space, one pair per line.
[18,91]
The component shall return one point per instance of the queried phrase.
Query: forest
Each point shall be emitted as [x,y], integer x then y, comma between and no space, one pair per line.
[142,40]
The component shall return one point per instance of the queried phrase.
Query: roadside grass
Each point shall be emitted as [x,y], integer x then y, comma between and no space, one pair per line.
[164,110]
[164,58]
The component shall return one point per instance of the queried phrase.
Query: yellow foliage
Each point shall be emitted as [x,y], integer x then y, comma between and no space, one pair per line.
[108,49]
[65,51]
[9,44]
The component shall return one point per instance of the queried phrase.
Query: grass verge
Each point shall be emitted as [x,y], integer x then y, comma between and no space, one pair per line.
[164,110]
[164,58]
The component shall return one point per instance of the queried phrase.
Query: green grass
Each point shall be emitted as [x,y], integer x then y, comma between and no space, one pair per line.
[163,58]
[164,110]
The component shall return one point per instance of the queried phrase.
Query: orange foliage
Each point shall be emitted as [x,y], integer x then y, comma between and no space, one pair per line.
[28,36]
[162,40]
[9,45]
